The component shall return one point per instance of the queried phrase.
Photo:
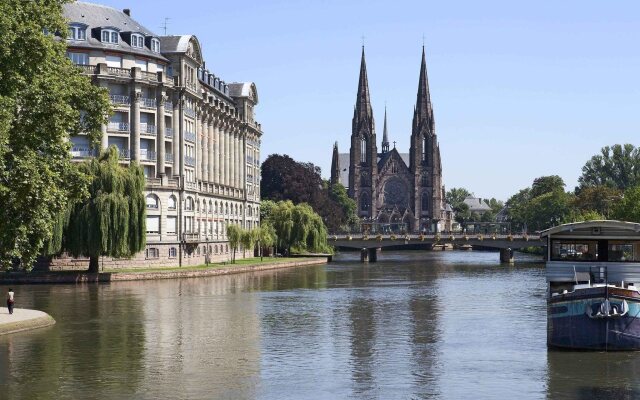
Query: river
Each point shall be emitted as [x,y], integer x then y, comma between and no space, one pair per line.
[415,325]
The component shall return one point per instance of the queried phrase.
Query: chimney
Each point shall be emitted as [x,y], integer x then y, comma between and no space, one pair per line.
[127,11]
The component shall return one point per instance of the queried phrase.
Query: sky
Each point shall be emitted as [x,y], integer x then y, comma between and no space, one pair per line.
[520,89]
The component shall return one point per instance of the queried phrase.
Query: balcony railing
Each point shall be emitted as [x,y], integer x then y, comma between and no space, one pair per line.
[87,69]
[125,72]
[190,112]
[147,155]
[147,102]
[192,85]
[120,99]
[168,157]
[191,236]
[168,133]
[190,137]
[118,126]
[147,129]
[149,76]
[83,152]
[190,161]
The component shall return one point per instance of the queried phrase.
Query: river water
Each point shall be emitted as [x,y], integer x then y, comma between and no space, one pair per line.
[450,325]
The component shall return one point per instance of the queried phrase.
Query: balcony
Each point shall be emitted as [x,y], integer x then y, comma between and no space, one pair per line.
[190,137]
[149,76]
[168,157]
[147,102]
[115,71]
[120,99]
[87,69]
[190,161]
[118,127]
[190,112]
[147,129]
[192,85]
[168,133]
[147,155]
[191,237]
[83,152]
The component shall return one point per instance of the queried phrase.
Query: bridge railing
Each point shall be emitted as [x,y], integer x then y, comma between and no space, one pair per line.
[441,237]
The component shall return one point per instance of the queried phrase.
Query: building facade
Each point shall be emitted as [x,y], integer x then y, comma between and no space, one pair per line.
[397,191]
[194,134]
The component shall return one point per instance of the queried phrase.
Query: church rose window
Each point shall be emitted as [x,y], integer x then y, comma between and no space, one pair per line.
[396,193]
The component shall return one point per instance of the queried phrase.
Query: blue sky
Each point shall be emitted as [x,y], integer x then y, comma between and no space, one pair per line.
[519,89]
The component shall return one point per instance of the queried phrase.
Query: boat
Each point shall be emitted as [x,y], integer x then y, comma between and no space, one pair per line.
[593,276]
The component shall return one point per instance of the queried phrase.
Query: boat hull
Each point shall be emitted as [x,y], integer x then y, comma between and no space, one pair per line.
[574,320]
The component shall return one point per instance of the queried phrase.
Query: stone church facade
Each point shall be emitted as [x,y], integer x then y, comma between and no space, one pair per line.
[394,191]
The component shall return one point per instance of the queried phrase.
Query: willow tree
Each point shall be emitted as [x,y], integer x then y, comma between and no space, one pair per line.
[43,100]
[266,236]
[111,221]
[298,226]
[234,236]
[248,239]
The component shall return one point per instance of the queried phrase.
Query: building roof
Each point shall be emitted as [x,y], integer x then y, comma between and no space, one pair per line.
[96,16]
[345,162]
[243,89]
[602,228]
[476,204]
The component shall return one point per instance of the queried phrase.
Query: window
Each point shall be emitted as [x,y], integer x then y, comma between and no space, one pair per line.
[173,252]
[171,224]
[152,253]
[424,149]
[152,201]
[363,151]
[77,32]
[172,202]
[142,64]
[155,45]
[137,40]
[364,202]
[110,36]
[623,251]
[114,61]
[577,250]
[424,180]
[79,58]
[425,202]
[153,224]
[188,205]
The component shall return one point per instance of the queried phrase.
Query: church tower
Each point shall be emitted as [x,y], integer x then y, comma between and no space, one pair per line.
[385,134]
[425,158]
[363,157]
[335,165]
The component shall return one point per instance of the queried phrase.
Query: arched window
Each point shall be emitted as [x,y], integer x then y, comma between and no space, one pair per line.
[394,167]
[363,180]
[363,150]
[172,202]
[364,202]
[215,205]
[204,206]
[210,207]
[152,201]
[188,205]
[424,149]
[425,202]
[424,180]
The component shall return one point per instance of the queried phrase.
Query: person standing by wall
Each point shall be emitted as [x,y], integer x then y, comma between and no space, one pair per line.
[10,301]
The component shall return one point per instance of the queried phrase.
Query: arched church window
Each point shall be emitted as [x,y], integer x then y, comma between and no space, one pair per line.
[425,202]
[394,168]
[364,202]
[424,180]
[363,150]
[424,149]
[364,180]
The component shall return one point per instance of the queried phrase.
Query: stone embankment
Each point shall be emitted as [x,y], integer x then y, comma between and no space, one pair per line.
[23,319]
[170,273]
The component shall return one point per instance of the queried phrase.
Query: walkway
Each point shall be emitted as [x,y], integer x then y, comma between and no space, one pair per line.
[23,319]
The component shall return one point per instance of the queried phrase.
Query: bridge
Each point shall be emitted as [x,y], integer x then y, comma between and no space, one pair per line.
[369,245]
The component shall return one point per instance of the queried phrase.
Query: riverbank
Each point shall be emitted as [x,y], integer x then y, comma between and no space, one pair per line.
[23,320]
[136,274]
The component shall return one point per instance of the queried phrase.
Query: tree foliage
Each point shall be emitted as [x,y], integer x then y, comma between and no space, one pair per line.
[234,236]
[628,207]
[286,179]
[266,236]
[112,220]
[43,100]
[617,166]
[455,196]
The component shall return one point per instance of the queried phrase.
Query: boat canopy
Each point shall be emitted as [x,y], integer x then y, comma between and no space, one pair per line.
[597,228]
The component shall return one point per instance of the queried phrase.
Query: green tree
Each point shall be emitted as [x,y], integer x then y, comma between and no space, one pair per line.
[455,196]
[339,194]
[547,210]
[43,100]
[248,239]
[234,236]
[617,166]
[546,184]
[266,236]
[628,208]
[600,199]
[111,221]
[298,226]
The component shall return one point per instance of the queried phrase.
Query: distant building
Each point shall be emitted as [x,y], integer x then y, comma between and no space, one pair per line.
[194,134]
[393,188]
[476,205]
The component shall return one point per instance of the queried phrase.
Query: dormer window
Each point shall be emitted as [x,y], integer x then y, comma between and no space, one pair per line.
[77,32]
[155,45]
[110,36]
[137,40]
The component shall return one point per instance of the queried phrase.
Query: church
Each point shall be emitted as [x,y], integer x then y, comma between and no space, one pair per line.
[395,192]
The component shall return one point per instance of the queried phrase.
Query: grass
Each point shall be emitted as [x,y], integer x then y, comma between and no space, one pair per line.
[202,267]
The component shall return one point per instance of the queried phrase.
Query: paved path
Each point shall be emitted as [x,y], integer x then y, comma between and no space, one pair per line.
[23,319]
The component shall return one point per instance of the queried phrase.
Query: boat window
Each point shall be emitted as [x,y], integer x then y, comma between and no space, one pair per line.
[622,251]
[576,250]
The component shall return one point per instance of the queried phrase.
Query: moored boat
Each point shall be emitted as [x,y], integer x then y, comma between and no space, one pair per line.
[592,271]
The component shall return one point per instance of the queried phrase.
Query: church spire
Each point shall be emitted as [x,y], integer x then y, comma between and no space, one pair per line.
[335,165]
[423,111]
[363,100]
[385,134]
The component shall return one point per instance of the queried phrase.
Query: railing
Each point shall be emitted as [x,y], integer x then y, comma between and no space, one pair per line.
[154,182]
[192,85]
[147,102]
[119,72]
[150,76]
[120,99]
[87,69]
[83,152]
[168,133]
[190,137]
[440,237]
[190,112]
[190,161]
[168,157]
[118,126]
[147,129]
[147,155]
[191,236]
